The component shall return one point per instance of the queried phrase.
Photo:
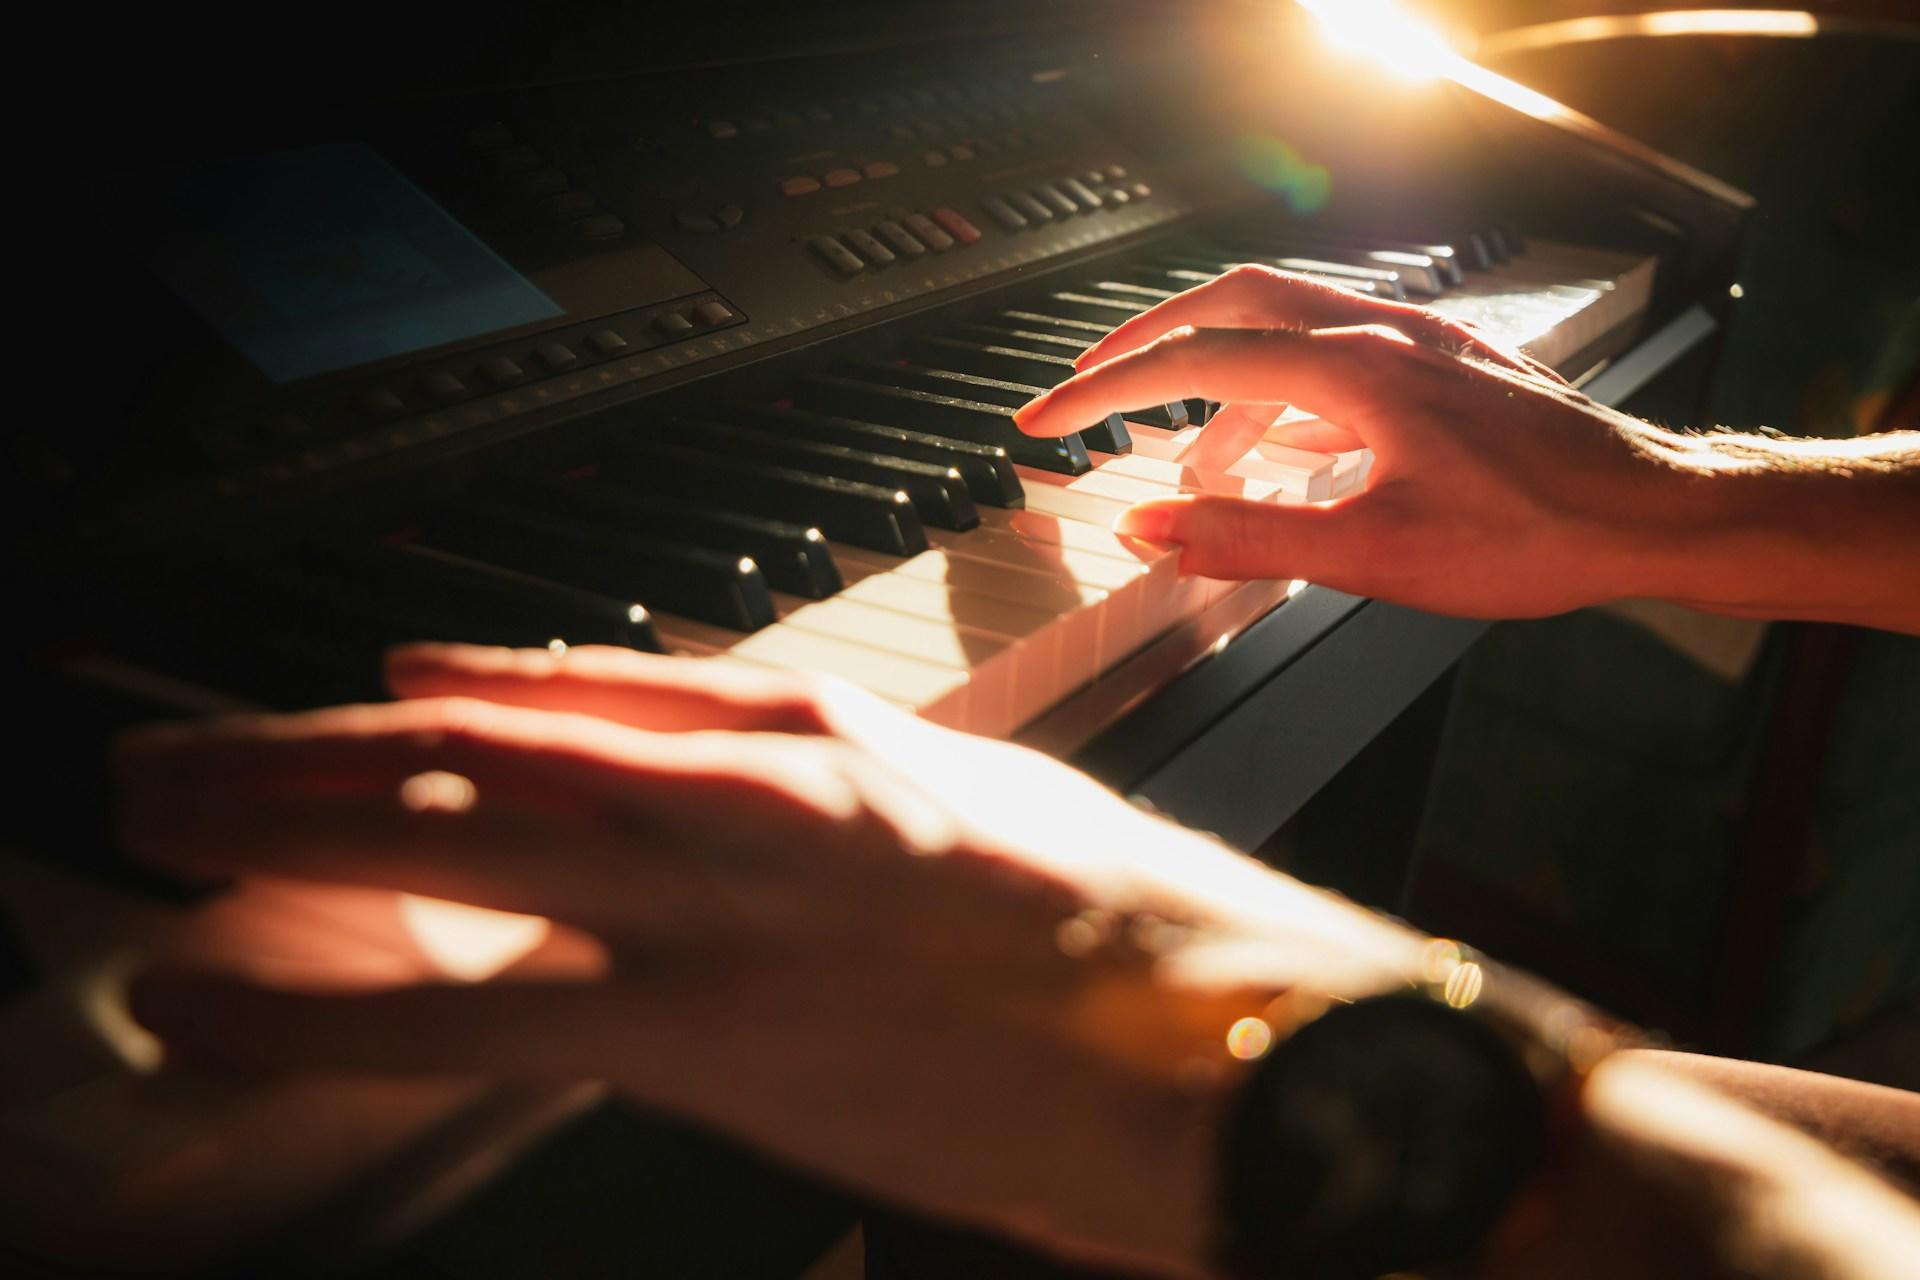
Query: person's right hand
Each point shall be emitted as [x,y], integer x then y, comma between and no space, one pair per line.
[1496,491]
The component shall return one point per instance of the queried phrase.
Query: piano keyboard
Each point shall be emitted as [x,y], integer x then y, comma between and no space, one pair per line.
[886,523]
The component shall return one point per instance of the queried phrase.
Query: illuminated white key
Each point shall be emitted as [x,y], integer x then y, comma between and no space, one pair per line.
[687,638]
[1162,562]
[1033,636]
[1101,596]
[1077,612]
[1159,608]
[1301,473]
[1110,485]
[989,661]
[1350,471]
[1057,500]
[1028,666]
[1130,613]
[941,694]
[1321,468]
[1183,479]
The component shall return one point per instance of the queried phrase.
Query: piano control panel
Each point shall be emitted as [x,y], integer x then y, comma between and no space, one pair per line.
[450,269]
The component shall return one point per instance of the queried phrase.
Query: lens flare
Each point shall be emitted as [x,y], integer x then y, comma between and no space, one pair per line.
[1249,1038]
[1275,165]
[1383,32]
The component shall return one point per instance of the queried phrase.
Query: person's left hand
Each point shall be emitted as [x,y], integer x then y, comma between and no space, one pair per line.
[938,968]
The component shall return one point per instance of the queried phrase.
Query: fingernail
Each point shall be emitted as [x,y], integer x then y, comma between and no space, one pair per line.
[1030,410]
[1153,521]
[1085,358]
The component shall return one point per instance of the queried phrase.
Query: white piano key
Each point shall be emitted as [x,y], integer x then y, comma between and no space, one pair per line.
[936,692]
[1057,500]
[1184,479]
[1115,590]
[1161,561]
[1108,484]
[1301,473]
[939,693]
[991,662]
[1350,471]
[1041,625]
[1006,569]
[1033,636]
[1157,612]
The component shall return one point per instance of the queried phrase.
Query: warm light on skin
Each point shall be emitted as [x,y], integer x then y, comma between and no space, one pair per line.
[470,944]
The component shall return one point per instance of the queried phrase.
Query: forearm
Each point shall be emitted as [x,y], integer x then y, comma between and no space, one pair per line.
[1823,530]
[1666,1164]
[1868,1122]
[1661,1176]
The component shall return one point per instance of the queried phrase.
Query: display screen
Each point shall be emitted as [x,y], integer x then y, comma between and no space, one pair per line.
[319,259]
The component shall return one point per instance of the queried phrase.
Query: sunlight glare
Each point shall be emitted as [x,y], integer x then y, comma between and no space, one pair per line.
[470,944]
[1384,32]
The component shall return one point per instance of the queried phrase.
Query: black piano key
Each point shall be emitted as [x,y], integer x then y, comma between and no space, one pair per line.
[1030,356]
[1446,257]
[1474,249]
[714,586]
[852,511]
[1274,252]
[1108,436]
[419,593]
[794,557]
[1442,259]
[986,468]
[1177,279]
[1418,271]
[1061,326]
[1128,291]
[938,493]
[1223,260]
[945,415]
[1037,359]
[1098,308]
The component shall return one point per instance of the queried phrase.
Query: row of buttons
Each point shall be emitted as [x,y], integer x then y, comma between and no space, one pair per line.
[710,314]
[909,235]
[444,387]
[765,121]
[1039,205]
[807,184]
[494,373]
[933,158]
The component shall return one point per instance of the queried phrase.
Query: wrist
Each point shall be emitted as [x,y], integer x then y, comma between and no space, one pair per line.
[1403,1130]
[1779,528]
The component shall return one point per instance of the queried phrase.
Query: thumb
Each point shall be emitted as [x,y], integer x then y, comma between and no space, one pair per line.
[1237,538]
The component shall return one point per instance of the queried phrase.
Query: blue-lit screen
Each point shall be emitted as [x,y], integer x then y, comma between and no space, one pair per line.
[319,259]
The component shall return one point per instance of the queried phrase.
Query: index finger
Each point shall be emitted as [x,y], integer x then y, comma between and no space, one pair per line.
[1345,375]
[1251,296]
